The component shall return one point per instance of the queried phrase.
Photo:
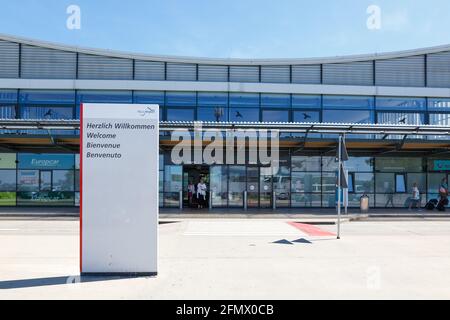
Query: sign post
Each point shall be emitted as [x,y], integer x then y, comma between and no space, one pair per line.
[119,189]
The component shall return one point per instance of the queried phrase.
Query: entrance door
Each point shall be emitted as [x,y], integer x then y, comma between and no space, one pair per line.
[192,174]
[265,190]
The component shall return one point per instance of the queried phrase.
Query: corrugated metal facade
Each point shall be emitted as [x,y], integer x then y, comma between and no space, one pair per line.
[276,74]
[353,73]
[306,74]
[38,62]
[438,70]
[149,70]
[9,59]
[104,68]
[244,73]
[212,73]
[401,72]
[181,72]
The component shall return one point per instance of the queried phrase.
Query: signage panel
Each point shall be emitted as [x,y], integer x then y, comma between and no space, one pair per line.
[119,188]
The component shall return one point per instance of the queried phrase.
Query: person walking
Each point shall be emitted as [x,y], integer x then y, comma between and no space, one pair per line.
[389,195]
[415,200]
[443,195]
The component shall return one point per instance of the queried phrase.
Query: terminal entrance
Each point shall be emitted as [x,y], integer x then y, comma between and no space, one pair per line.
[194,194]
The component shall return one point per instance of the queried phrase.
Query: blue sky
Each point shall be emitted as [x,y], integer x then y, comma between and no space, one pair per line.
[233,28]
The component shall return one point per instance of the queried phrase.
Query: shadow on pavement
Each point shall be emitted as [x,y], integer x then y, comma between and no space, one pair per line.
[282,241]
[53,281]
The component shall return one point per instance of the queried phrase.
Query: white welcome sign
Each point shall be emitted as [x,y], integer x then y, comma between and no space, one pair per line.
[119,189]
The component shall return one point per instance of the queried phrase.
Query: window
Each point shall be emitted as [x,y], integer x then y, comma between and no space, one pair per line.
[212,114]
[305,163]
[213,99]
[180,114]
[28,180]
[110,96]
[275,115]
[442,119]
[62,180]
[46,112]
[7,180]
[7,112]
[400,183]
[8,100]
[305,116]
[348,116]
[47,97]
[212,106]
[358,164]
[399,164]
[348,102]
[306,182]
[276,100]
[363,182]
[400,118]
[94,96]
[306,101]
[400,103]
[437,104]
[244,114]
[351,182]
[181,99]
[244,100]
[156,97]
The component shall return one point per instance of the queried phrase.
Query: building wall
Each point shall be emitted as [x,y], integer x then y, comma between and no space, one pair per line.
[42,81]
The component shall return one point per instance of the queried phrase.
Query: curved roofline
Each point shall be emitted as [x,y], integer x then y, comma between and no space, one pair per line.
[226,61]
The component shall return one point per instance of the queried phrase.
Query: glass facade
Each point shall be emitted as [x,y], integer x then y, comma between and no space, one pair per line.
[309,181]
[238,107]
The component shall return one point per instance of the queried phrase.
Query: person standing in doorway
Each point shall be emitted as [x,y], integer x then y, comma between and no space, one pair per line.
[191,192]
[415,200]
[201,193]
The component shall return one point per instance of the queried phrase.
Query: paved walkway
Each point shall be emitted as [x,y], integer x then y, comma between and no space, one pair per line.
[239,259]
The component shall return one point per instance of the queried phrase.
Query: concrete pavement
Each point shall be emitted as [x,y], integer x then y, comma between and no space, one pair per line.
[239,259]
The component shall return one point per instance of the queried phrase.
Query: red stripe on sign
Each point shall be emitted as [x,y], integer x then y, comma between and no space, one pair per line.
[310,230]
[81,187]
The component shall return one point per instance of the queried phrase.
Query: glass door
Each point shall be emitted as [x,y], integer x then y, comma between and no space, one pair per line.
[236,186]
[265,192]
[252,187]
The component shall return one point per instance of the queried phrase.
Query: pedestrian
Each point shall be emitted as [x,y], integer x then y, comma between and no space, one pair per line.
[389,195]
[443,195]
[415,199]
[191,192]
[201,193]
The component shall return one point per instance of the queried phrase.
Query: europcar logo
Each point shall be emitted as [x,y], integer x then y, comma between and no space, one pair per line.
[44,163]
[146,111]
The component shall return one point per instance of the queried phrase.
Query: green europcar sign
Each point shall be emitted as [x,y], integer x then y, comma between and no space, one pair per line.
[441,165]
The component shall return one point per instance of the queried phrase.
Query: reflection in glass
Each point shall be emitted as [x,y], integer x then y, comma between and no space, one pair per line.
[62,180]
[180,114]
[173,178]
[219,186]
[244,115]
[7,180]
[275,115]
[236,185]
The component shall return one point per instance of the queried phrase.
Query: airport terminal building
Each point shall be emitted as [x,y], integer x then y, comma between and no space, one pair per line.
[44,81]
